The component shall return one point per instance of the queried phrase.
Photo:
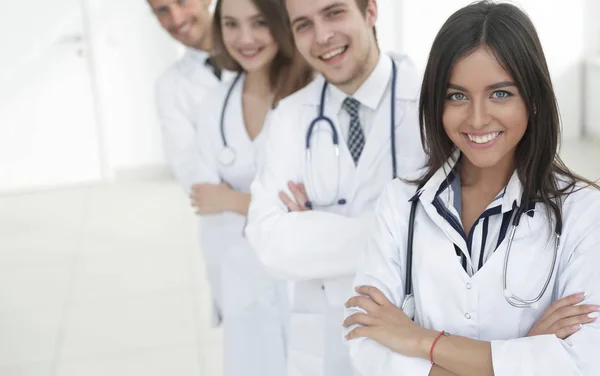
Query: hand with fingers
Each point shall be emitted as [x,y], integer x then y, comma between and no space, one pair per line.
[383,322]
[298,202]
[209,198]
[565,317]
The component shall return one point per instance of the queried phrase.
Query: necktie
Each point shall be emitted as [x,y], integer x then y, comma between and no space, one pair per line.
[356,137]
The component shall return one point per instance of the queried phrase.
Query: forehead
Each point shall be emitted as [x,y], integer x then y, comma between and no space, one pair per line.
[238,8]
[310,8]
[160,3]
[480,68]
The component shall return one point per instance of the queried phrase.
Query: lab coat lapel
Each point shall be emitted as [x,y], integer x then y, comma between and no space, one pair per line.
[453,235]
[379,137]
[428,198]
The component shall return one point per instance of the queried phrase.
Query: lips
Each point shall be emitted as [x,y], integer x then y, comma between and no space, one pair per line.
[481,139]
[333,53]
[184,28]
[250,52]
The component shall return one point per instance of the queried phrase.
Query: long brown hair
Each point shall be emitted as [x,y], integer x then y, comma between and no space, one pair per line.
[289,71]
[509,33]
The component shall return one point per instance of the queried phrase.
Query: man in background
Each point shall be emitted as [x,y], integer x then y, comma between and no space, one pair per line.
[180,92]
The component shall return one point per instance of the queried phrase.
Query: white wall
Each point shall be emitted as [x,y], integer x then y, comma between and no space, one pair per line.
[129,51]
[562,29]
[389,31]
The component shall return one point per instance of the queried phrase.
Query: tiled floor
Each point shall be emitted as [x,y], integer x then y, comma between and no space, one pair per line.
[107,280]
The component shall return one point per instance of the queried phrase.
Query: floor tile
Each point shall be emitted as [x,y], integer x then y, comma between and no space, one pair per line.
[113,326]
[176,361]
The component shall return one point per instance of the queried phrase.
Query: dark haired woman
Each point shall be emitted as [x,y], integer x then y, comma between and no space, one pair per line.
[500,237]
[253,38]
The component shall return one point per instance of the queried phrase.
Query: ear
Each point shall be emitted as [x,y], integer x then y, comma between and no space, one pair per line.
[372,13]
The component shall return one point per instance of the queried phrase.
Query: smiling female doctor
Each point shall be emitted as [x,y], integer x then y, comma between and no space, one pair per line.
[499,226]
[251,37]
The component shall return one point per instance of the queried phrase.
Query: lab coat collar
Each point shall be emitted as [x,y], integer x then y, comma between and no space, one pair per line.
[371,92]
[198,56]
[508,198]
[193,66]
[407,85]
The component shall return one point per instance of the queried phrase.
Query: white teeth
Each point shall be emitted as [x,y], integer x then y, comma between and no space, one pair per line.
[249,52]
[183,27]
[332,54]
[484,138]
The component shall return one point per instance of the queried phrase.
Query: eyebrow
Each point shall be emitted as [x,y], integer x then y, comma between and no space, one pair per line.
[254,17]
[497,85]
[324,10]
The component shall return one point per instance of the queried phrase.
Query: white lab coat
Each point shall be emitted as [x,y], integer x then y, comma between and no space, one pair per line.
[180,91]
[319,249]
[253,304]
[447,298]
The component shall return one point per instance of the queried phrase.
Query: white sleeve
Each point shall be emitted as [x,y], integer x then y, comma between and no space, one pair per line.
[579,271]
[382,266]
[205,143]
[297,246]
[178,132]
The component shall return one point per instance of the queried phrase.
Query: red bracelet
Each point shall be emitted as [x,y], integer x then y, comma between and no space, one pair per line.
[433,345]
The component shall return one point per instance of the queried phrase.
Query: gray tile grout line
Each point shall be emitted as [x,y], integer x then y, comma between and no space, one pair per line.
[85,212]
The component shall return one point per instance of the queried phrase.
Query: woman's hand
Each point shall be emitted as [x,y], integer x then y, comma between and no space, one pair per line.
[384,323]
[563,318]
[210,198]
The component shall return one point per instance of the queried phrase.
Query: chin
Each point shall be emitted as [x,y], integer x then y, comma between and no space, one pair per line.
[253,66]
[483,160]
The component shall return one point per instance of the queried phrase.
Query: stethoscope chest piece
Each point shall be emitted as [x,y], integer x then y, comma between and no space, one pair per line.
[226,156]
[409,306]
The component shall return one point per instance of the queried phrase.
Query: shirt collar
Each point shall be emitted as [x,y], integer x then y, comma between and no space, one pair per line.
[371,92]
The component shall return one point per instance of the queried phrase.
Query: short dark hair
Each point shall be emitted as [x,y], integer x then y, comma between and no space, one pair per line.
[289,71]
[509,34]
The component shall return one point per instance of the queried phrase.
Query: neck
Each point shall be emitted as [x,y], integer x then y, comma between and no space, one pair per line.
[257,83]
[205,43]
[489,179]
[364,72]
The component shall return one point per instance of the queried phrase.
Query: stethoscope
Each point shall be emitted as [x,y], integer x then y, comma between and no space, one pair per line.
[336,142]
[227,154]
[409,305]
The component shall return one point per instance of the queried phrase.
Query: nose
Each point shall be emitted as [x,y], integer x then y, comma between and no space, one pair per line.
[322,33]
[479,116]
[246,37]
[177,16]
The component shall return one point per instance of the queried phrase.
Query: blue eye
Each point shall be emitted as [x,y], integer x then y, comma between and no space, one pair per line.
[162,11]
[301,26]
[260,23]
[501,94]
[335,13]
[456,97]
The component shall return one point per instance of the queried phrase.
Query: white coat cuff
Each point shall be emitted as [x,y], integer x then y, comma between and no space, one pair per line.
[370,358]
[525,356]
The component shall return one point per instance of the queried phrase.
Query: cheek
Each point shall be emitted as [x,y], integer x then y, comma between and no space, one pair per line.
[229,40]
[267,38]
[452,119]
[164,22]
[303,45]
[516,119]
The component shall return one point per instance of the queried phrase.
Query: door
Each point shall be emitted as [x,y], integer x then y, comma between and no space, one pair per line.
[48,133]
